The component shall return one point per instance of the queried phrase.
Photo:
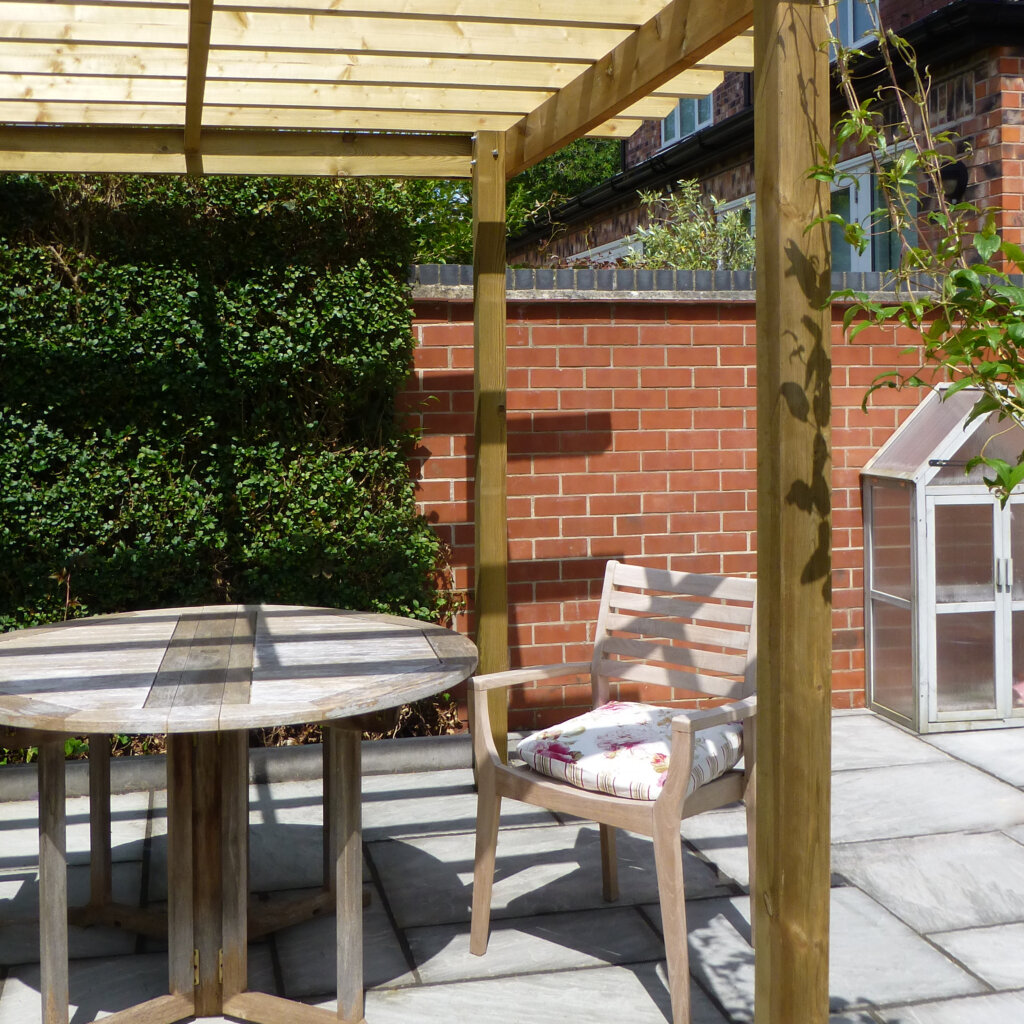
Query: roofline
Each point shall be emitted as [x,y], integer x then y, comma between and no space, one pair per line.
[951,32]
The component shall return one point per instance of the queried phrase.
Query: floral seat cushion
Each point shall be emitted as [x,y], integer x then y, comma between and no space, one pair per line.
[623,749]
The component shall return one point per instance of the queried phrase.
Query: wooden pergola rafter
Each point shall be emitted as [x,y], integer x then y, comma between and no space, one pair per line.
[482,89]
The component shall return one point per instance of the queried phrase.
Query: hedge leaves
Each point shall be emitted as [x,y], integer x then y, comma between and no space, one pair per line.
[197,385]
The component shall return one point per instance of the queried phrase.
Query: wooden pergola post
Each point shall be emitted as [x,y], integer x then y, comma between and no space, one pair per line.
[791,898]
[489,392]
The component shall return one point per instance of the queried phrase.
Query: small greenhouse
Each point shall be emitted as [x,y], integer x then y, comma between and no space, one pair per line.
[944,574]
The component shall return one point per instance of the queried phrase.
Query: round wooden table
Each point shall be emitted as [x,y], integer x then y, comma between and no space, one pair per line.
[205,676]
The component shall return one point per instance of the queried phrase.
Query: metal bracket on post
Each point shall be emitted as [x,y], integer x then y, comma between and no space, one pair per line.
[195,968]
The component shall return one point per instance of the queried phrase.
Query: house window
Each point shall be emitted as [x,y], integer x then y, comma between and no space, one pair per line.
[854,200]
[854,20]
[689,116]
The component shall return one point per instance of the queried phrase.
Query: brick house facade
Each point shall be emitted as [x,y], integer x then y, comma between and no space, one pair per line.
[631,434]
[974,50]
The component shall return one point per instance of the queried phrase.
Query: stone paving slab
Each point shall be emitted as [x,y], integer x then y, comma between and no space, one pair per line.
[875,959]
[132,814]
[995,954]
[940,883]
[544,942]
[913,800]
[605,995]
[866,741]
[1003,1008]
[307,954]
[19,915]
[1000,752]
[430,803]
[430,879]
[104,985]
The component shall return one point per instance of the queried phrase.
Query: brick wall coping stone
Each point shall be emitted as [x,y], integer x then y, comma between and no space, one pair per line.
[454,283]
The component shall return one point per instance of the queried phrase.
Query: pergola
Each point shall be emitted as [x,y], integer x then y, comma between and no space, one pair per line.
[481,90]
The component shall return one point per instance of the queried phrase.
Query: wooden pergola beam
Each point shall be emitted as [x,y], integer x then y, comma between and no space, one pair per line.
[685,32]
[200,19]
[790,901]
[161,151]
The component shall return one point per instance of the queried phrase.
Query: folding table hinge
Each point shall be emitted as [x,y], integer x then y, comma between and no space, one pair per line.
[195,967]
[220,966]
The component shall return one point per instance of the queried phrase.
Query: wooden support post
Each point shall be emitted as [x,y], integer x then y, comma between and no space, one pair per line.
[53,884]
[791,902]
[491,598]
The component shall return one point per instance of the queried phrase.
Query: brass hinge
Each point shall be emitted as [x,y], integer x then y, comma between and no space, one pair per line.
[220,966]
[195,967]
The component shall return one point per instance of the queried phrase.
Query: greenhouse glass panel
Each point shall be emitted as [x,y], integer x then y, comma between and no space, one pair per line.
[963,553]
[891,540]
[892,666]
[965,662]
[908,452]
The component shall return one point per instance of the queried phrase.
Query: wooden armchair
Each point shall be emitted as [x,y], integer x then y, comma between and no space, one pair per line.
[636,766]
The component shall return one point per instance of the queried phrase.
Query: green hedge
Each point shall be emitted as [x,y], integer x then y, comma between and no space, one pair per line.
[197,384]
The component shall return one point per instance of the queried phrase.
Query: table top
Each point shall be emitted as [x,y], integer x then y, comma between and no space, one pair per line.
[221,667]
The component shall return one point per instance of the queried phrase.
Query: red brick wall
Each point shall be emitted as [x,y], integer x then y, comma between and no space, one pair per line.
[631,434]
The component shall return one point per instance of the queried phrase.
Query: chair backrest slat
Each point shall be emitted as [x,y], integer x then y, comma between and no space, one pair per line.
[684,632]
[690,631]
[706,611]
[692,682]
[690,657]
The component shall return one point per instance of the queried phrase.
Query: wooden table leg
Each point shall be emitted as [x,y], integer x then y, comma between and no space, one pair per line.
[348,867]
[100,870]
[235,852]
[53,884]
[181,967]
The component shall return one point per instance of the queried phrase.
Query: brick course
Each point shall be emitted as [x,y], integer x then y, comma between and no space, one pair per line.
[613,461]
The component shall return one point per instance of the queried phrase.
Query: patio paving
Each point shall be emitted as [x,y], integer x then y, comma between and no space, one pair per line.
[927,899]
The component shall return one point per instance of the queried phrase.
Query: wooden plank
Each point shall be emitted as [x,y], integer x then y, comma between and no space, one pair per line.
[161,151]
[733,55]
[53,885]
[162,1010]
[683,34]
[149,921]
[200,18]
[620,13]
[322,31]
[348,869]
[791,903]
[179,865]
[695,82]
[167,64]
[266,1009]
[172,666]
[491,447]
[238,679]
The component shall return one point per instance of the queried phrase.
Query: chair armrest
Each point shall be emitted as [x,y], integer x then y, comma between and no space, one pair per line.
[737,711]
[493,680]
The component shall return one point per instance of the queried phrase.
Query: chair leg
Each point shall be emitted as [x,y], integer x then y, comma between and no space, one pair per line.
[609,865]
[487,815]
[668,860]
